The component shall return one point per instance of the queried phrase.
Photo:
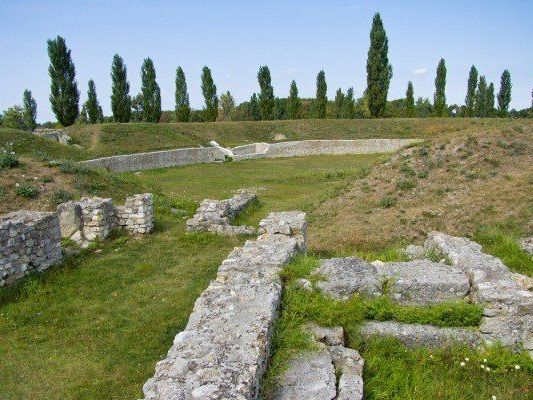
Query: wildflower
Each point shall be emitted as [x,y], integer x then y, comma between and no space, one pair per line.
[462,364]
[487,369]
[467,359]
[517,367]
[484,360]
[482,366]
[494,398]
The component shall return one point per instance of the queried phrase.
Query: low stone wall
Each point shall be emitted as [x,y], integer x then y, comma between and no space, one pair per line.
[29,241]
[320,147]
[94,218]
[216,215]
[199,155]
[223,350]
[157,159]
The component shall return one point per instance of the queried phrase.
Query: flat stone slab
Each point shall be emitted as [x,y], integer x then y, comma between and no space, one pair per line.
[413,335]
[423,282]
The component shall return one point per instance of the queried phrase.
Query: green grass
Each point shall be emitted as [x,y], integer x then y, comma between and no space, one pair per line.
[391,370]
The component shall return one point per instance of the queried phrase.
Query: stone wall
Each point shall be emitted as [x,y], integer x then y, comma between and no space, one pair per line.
[29,242]
[216,215]
[94,218]
[199,155]
[223,350]
[157,159]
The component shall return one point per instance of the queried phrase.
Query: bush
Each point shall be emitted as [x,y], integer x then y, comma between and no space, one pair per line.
[8,160]
[387,201]
[406,184]
[61,196]
[27,191]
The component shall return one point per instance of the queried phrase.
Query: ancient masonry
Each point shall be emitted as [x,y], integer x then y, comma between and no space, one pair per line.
[471,275]
[223,351]
[216,215]
[94,218]
[29,242]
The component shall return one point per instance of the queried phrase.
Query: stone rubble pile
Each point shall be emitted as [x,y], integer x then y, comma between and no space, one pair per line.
[29,241]
[94,218]
[330,371]
[223,350]
[216,215]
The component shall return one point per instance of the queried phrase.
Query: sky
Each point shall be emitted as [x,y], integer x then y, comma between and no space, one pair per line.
[296,39]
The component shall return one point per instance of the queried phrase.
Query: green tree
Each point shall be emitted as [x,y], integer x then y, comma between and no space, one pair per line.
[82,117]
[254,110]
[504,95]
[470,99]
[321,99]
[137,104]
[209,91]
[439,102]
[481,97]
[266,94]
[29,110]
[91,105]
[226,106]
[410,101]
[120,91]
[100,115]
[294,102]
[489,101]
[64,94]
[183,108]
[378,69]
[348,105]
[13,118]
[150,92]
[337,105]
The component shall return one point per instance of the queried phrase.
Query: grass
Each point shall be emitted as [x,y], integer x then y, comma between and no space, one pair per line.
[391,370]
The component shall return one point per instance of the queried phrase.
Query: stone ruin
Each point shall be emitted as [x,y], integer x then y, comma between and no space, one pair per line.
[472,275]
[222,353]
[216,215]
[29,242]
[95,218]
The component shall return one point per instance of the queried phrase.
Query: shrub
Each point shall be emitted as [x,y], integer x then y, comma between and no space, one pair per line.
[387,201]
[27,191]
[61,196]
[406,184]
[8,159]
[47,179]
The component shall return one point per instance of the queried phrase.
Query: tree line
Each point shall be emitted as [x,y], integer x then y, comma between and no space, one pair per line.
[480,99]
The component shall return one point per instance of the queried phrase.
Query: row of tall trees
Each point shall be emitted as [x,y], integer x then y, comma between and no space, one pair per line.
[146,106]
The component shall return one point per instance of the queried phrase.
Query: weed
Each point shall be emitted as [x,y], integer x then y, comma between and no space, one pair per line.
[388,201]
[61,196]
[407,170]
[422,174]
[27,191]
[47,179]
[406,184]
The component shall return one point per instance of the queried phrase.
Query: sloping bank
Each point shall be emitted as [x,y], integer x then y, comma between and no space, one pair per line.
[200,155]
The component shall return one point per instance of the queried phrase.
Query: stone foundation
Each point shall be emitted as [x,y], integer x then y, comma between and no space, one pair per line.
[216,215]
[29,242]
[95,218]
[223,350]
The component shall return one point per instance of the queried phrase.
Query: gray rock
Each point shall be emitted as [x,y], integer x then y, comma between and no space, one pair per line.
[344,277]
[413,335]
[329,336]
[423,282]
[527,245]
[69,218]
[415,252]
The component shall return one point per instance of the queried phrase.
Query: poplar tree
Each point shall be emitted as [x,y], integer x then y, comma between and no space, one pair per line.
[266,94]
[227,105]
[410,101]
[29,110]
[504,95]
[183,108]
[321,95]
[439,100]
[255,112]
[151,94]
[348,105]
[489,101]
[64,94]
[91,105]
[378,69]
[339,99]
[481,95]
[470,99]
[294,102]
[209,91]
[120,97]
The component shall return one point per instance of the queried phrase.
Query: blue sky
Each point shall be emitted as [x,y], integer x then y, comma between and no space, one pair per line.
[294,38]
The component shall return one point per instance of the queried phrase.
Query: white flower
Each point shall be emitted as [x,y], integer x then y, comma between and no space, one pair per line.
[517,367]
[494,398]
[484,360]
[462,364]
[467,359]
[487,369]
[482,366]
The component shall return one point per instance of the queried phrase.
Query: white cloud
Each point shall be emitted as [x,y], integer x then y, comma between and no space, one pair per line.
[420,71]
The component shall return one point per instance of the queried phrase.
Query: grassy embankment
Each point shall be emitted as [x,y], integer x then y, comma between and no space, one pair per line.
[94,328]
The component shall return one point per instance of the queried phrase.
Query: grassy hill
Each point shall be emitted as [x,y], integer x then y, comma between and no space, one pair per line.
[111,139]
